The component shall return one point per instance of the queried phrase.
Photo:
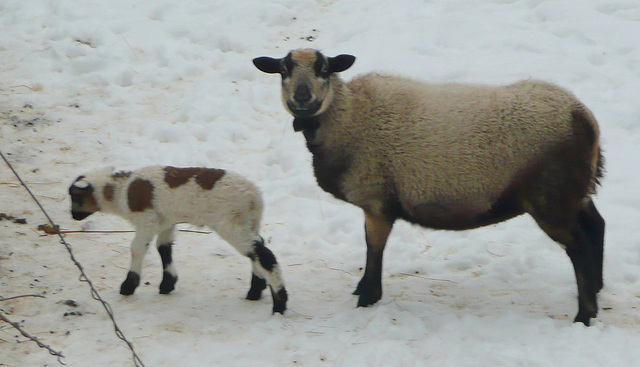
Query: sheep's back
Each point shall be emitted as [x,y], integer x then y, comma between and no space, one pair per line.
[455,142]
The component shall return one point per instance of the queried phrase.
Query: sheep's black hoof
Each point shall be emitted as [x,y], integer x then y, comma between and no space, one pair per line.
[368,295]
[280,301]
[130,284]
[366,300]
[585,317]
[168,283]
[257,285]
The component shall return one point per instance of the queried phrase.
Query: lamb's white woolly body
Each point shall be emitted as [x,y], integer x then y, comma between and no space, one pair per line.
[155,199]
[449,156]
[233,207]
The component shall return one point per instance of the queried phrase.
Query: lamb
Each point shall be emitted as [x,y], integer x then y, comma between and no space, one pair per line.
[155,199]
[450,156]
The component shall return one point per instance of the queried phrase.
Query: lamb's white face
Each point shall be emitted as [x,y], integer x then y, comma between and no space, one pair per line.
[306,79]
[83,203]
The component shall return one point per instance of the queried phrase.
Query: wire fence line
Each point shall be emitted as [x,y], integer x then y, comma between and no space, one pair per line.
[83,278]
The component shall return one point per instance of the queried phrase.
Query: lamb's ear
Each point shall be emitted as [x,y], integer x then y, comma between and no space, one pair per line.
[268,65]
[341,63]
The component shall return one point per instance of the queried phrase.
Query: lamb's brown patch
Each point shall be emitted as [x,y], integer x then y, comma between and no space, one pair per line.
[140,195]
[205,177]
[175,176]
[107,192]
[208,177]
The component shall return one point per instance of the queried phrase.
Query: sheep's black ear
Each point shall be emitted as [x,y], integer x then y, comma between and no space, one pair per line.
[268,65]
[341,63]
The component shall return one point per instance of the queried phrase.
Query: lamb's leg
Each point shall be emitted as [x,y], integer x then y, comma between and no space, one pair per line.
[169,274]
[266,271]
[377,231]
[257,285]
[138,250]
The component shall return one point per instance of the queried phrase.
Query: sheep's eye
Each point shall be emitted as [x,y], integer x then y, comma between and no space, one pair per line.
[286,65]
[322,67]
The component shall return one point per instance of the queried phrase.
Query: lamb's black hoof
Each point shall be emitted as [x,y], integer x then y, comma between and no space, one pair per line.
[168,283]
[257,285]
[280,301]
[130,284]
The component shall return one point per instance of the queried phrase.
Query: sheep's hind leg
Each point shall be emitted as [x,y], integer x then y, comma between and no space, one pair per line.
[266,271]
[593,225]
[138,250]
[370,286]
[582,255]
[570,231]
[169,274]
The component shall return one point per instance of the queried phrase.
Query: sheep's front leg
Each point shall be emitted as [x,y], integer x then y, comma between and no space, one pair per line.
[138,250]
[169,274]
[377,231]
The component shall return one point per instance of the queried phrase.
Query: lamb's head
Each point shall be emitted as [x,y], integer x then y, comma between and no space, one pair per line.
[306,79]
[83,202]
[87,191]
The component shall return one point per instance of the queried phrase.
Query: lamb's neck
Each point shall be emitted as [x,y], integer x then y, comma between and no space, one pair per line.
[111,195]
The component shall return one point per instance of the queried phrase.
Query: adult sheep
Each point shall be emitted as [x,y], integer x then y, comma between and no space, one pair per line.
[154,199]
[449,156]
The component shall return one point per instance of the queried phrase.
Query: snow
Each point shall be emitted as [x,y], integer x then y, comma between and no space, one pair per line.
[94,83]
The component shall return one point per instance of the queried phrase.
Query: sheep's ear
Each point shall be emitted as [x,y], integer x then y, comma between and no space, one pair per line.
[341,63]
[268,65]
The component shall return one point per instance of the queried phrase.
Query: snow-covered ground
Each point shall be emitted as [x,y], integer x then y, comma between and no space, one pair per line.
[85,84]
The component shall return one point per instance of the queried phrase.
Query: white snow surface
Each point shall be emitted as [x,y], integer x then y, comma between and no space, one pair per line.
[85,84]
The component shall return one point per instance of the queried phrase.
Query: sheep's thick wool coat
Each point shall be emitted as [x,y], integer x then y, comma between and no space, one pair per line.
[449,156]
[460,146]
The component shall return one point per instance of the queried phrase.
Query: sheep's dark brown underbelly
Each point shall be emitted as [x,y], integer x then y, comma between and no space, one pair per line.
[459,217]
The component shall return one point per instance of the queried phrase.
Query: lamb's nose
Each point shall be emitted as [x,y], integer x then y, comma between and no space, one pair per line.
[302,94]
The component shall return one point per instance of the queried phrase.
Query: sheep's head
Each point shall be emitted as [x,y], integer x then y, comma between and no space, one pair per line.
[83,203]
[306,79]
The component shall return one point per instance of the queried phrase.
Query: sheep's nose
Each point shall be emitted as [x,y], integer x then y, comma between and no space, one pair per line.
[302,94]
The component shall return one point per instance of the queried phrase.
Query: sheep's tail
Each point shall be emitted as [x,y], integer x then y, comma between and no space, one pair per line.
[584,119]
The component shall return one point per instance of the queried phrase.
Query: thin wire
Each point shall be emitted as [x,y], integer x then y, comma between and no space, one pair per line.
[83,276]
[33,339]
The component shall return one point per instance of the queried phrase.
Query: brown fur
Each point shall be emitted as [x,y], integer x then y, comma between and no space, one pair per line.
[205,177]
[140,195]
[108,192]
